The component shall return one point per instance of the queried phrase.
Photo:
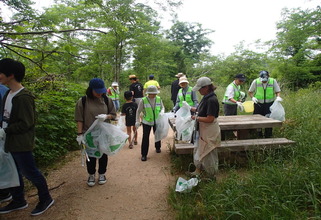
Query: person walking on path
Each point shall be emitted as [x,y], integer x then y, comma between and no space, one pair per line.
[129,111]
[233,96]
[151,82]
[113,93]
[95,105]
[151,106]
[205,153]
[264,91]
[175,87]
[136,88]
[18,132]
[185,94]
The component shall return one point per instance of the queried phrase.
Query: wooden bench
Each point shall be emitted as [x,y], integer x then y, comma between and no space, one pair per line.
[238,145]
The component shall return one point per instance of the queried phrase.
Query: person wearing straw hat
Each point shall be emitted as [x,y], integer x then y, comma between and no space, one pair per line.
[175,87]
[151,106]
[136,88]
[185,94]
[233,96]
[208,136]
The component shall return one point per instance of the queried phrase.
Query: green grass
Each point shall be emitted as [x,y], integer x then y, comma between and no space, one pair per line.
[278,184]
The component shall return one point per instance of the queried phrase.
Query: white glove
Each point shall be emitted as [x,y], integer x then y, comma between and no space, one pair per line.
[255,100]
[278,99]
[162,111]
[80,139]
[2,134]
[137,124]
[101,117]
[240,106]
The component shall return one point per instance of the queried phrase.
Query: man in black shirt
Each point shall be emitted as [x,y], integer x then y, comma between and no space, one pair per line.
[136,88]
[175,87]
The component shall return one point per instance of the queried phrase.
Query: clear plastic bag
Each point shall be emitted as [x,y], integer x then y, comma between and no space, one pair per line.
[8,171]
[184,123]
[162,126]
[277,111]
[185,186]
[121,123]
[104,137]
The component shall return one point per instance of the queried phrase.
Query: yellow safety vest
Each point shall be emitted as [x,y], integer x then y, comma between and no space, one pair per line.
[266,95]
[150,114]
[187,97]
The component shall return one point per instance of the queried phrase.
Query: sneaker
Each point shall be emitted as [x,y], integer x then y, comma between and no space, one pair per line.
[131,146]
[5,198]
[158,151]
[91,180]
[102,179]
[135,142]
[42,207]
[13,206]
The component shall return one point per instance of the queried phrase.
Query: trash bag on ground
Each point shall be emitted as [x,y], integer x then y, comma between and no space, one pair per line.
[185,186]
[184,123]
[102,138]
[121,123]
[162,125]
[277,111]
[8,171]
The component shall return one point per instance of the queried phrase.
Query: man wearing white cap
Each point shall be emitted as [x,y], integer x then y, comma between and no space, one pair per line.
[113,93]
[175,87]
[185,94]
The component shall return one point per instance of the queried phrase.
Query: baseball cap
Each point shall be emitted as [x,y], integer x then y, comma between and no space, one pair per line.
[178,75]
[203,81]
[151,76]
[240,76]
[98,85]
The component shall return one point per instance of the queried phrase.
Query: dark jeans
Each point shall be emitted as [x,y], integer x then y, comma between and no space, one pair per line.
[145,142]
[102,164]
[27,167]
[230,109]
[263,109]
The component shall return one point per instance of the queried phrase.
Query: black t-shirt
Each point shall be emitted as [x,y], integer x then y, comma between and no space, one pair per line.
[174,90]
[130,110]
[137,88]
[209,106]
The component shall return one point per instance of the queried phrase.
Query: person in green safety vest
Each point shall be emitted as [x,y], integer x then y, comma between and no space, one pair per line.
[113,93]
[233,96]
[151,106]
[264,91]
[186,94]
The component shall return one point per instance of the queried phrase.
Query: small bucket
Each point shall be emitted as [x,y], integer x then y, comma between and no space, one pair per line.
[248,106]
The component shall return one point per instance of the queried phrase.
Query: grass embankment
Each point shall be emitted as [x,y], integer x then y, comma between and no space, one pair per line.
[278,184]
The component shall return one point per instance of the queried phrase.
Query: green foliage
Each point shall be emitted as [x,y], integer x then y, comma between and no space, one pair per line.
[55,128]
[285,184]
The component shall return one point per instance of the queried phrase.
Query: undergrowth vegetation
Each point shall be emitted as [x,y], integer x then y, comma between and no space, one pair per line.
[278,184]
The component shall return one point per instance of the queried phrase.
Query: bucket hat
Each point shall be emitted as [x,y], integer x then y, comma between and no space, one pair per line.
[152,90]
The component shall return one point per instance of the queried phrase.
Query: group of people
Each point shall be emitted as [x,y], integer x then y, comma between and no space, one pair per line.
[18,121]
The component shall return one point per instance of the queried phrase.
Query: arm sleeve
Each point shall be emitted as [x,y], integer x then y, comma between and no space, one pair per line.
[252,87]
[111,108]
[194,98]
[79,111]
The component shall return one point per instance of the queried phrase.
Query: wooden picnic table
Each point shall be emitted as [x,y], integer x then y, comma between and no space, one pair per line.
[242,124]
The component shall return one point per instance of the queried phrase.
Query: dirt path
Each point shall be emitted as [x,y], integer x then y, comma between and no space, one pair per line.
[134,189]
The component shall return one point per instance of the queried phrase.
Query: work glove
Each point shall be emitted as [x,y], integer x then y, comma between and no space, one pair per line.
[137,124]
[278,99]
[2,134]
[255,100]
[80,139]
[101,117]
[162,111]
[240,106]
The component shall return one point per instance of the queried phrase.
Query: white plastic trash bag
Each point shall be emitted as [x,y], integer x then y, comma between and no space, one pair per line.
[184,123]
[121,123]
[185,186]
[8,171]
[277,111]
[104,137]
[162,125]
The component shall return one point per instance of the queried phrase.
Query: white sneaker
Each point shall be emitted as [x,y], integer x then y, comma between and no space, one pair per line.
[91,180]
[102,179]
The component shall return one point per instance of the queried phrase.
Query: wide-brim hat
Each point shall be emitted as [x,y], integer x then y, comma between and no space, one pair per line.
[183,79]
[132,77]
[98,85]
[203,81]
[152,90]
[178,75]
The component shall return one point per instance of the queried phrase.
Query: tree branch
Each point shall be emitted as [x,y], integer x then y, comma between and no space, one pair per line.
[50,32]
